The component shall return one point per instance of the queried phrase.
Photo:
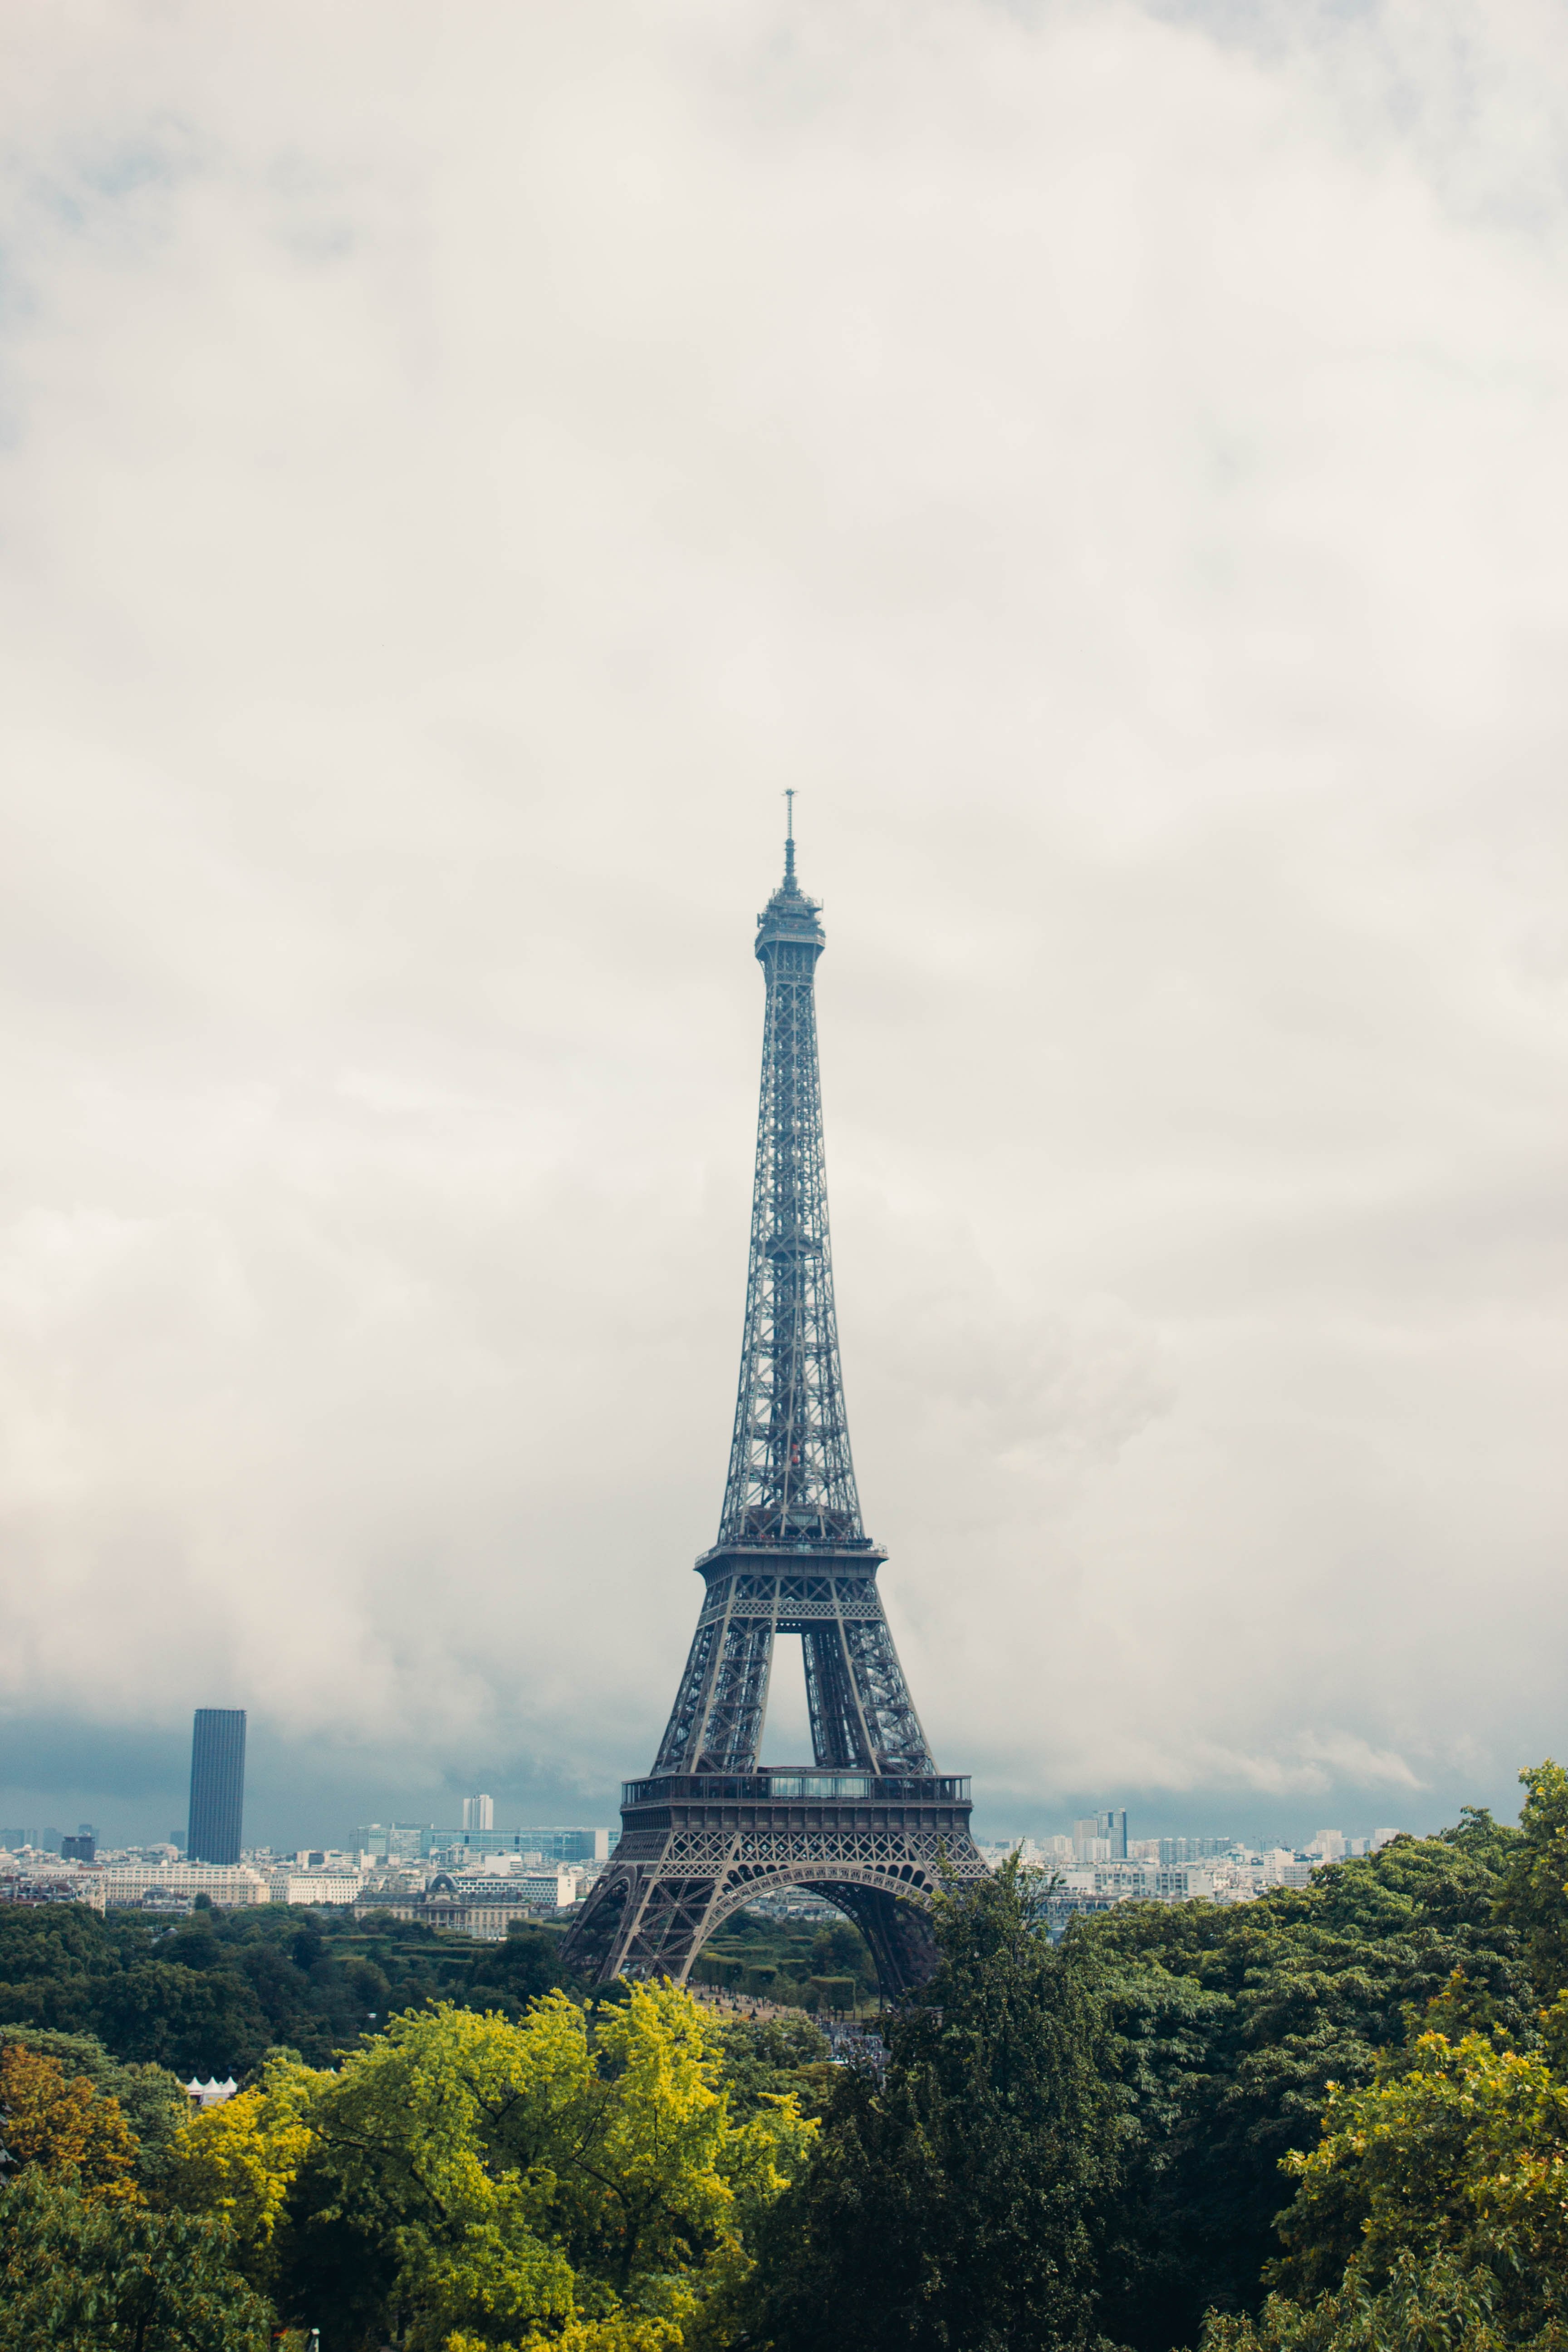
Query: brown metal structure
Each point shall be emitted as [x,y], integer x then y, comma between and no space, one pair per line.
[871,1824]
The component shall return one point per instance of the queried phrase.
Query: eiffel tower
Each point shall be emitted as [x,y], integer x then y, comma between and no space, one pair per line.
[871,1824]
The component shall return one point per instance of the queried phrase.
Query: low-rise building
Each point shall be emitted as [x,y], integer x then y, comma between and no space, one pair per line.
[324,1887]
[125,1883]
[540,1845]
[36,1884]
[488,1922]
[533,1890]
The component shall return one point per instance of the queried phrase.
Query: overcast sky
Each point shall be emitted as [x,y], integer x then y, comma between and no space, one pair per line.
[458,465]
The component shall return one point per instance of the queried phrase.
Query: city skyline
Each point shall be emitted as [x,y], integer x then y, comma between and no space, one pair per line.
[301,1823]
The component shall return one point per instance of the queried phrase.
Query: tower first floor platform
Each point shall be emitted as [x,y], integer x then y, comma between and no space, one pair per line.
[695,1848]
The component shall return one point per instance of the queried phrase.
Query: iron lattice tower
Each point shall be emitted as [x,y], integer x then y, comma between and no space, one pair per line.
[870,1825]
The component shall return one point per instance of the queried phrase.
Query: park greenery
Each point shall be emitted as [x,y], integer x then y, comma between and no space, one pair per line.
[798,1963]
[1331,2120]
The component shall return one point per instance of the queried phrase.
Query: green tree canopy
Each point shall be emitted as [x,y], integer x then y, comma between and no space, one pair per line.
[1230,2024]
[79,2274]
[1534,1895]
[952,2202]
[150,2099]
[464,2176]
[1434,2208]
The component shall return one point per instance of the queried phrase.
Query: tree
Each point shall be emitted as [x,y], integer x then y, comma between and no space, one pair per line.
[951,2205]
[526,1965]
[275,1977]
[152,2100]
[767,2057]
[200,2021]
[1231,2023]
[66,2128]
[1434,2203]
[241,2159]
[1435,2306]
[466,2178]
[1458,2148]
[46,1954]
[1533,1897]
[80,2275]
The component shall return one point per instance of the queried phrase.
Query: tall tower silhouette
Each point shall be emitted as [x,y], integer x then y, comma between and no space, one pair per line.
[217,1785]
[870,1825]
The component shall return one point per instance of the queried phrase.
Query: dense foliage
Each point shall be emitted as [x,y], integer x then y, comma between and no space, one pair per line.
[81,2275]
[585,2175]
[954,2201]
[1334,2120]
[215,1993]
[1232,2023]
[797,1962]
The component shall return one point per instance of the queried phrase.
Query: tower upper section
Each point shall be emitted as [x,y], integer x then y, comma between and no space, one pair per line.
[792,1477]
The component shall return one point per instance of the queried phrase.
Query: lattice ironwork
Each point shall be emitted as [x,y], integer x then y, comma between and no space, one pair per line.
[861,1711]
[791,1557]
[654,1907]
[792,1478]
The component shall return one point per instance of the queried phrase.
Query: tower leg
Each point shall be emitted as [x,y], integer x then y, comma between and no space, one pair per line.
[900,1934]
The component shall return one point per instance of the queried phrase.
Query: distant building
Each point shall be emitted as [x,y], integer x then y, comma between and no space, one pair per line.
[58,1883]
[393,1841]
[537,1890]
[569,1845]
[489,1921]
[1140,1881]
[217,1785]
[479,1812]
[210,2093]
[125,1884]
[549,1845]
[320,1885]
[1102,1837]
[1177,1851]
[80,1848]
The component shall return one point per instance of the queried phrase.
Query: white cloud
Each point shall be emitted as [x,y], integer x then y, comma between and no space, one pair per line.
[458,470]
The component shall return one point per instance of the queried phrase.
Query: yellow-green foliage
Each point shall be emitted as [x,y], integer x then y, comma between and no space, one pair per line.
[627,2331]
[1463,2151]
[1433,2211]
[241,2159]
[581,2178]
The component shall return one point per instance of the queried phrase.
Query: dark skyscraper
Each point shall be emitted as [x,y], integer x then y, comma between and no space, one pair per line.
[217,1784]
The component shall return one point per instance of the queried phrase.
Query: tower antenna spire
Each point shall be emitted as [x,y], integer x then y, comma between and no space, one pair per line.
[789,837]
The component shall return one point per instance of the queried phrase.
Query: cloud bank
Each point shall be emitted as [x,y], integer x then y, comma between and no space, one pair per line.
[457,471]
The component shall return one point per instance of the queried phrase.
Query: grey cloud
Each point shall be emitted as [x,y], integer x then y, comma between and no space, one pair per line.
[1111,467]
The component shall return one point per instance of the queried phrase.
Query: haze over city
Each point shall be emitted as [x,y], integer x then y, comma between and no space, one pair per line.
[1110,461]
